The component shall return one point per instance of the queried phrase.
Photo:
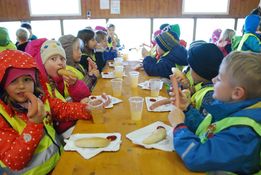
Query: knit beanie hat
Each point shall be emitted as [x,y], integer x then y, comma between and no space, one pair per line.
[67,44]
[167,40]
[162,26]
[50,48]
[14,73]
[4,37]
[174,28]
[205,60]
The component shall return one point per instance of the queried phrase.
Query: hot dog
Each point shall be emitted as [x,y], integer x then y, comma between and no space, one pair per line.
[175,89]
[159,103]
[178,73]
[94,142]
[32,98]
[156,136]
[66,73]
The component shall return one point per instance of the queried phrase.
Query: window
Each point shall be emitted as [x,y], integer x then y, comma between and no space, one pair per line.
[240,23]
[81,24]
[55,7]
[50,29]
[132,32]
[186,26]
[206,26]
[11,27]
[209,7]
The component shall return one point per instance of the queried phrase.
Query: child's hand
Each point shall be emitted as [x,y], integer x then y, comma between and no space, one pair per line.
[91,64]
[70,80]
[39,115]
[176,116]
[94,72]
[107,99]
[184,100]
[181,78]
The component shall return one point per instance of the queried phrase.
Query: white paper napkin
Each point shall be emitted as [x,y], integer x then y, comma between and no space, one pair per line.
[110,75]
[114,100]
[146,85]
[139,135]
[88,153]
[162,108]
[124,63]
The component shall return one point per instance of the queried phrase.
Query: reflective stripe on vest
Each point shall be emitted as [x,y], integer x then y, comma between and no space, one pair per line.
[243,40]
[198,96]
[46,154]
[56,93]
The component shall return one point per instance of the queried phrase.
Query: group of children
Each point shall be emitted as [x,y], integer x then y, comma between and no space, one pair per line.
[216,128]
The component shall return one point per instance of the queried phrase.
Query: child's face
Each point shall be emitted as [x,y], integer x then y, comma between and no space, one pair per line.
[223,89]
[18,87]
[159,50]
[104,42]
[111,31]
[92,43]
[53,64]
[77,53]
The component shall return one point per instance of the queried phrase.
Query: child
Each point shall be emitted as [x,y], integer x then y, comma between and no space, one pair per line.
[113,40]
[29,28]
[228,139]
[215,36]
[88,59]
[170,53]
[5,42]
[28,143]
[224,42]
[204,61]
[250,40]
[22,36]
[102,44]
[72,47]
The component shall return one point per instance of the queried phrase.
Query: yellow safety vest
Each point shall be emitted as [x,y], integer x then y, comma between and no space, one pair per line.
[78,73]
[243,40]
[47,152]
[198,96]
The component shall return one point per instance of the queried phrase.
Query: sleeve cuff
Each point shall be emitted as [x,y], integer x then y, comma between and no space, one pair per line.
[179,126]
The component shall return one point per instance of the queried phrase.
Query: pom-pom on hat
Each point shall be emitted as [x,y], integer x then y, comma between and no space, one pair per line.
[205,60]
[167,40]
[50,48]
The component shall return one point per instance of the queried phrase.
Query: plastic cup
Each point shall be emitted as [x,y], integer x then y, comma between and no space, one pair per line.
[136,107]
[118,71]
[125,56]
[118,61]
[134,78]
[155,86]
[97,111]
[116,87]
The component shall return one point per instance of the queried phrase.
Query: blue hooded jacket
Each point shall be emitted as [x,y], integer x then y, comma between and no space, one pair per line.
[252,43]
[162,67]
[234,149]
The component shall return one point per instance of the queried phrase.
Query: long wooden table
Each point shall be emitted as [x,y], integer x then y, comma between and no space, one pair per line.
[131,159]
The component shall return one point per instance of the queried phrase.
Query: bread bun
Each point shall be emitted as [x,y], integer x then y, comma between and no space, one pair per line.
[94,142]
[178,73]
[156,136]
[66,73]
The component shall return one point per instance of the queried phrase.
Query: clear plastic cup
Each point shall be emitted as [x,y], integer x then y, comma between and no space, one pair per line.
[97,110]
[136,107]
[118,61]
[125,56]
[118,71]
[134,78]
[116,87]
[155,86]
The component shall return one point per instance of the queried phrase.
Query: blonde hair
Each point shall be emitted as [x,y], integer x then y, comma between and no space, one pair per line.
[227,34]
[244,69]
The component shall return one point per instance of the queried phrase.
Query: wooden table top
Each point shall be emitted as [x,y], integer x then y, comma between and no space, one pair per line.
[131,159]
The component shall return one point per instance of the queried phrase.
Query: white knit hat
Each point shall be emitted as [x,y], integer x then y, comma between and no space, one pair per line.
[50,48]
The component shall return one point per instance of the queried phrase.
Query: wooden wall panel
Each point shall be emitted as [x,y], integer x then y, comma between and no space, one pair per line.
[19,10]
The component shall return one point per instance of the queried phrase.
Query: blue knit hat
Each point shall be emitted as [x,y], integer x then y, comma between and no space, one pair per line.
[167,40]
[205,60]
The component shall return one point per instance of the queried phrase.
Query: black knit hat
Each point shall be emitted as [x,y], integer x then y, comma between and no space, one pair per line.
[167,40]
[205,60]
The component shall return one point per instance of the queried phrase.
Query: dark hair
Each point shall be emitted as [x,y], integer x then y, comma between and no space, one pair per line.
[27,26]
[100,35]
[110,25]
[86,35]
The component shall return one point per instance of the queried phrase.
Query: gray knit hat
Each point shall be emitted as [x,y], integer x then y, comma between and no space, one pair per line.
[67,44]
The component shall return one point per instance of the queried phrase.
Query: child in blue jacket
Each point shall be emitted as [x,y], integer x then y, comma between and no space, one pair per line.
[170,53]
[228,139]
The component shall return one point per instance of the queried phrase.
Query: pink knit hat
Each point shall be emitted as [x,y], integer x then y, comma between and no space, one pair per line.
[14,73]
